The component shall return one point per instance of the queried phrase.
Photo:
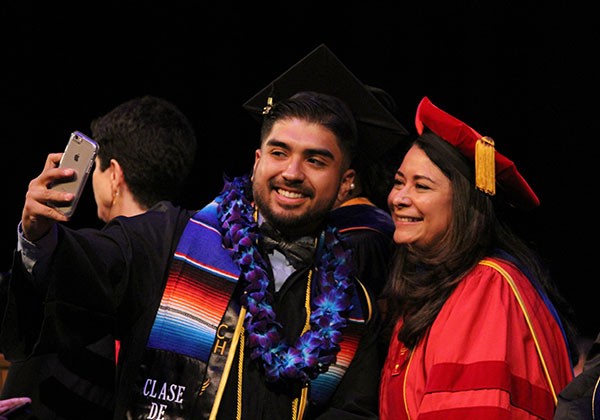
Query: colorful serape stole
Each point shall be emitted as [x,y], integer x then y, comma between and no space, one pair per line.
[323,387]
[189,334]
[188,343]
[199,286]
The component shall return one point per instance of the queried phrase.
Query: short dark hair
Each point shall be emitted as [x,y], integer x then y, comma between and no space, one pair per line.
[326,110]
[153,141]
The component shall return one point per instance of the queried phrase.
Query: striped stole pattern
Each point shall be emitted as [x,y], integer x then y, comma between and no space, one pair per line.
[198,290]
[323,387]
[199,287]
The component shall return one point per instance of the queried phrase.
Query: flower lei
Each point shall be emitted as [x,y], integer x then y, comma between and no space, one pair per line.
[316,348]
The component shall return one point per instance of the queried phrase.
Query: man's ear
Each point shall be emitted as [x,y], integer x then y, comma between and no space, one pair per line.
[346,187]
[257,155]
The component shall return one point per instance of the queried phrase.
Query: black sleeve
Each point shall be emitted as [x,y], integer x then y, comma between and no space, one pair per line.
[372,254]
[575,401]
[21,306]
[99,282]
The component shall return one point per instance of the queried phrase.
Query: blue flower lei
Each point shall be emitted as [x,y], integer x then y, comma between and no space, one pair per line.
[317,347]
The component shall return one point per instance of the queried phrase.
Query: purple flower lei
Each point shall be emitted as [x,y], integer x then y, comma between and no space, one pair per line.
[317,348]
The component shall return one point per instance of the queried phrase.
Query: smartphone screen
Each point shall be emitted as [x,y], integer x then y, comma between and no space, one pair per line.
[79,155]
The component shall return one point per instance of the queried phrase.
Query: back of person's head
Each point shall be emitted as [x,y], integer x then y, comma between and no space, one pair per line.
[375,171]
[153,141]
[385,99]
[318,108]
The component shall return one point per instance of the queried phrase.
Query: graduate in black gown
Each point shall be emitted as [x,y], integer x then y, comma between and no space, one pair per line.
[67,377]
[360,211]
[213,322]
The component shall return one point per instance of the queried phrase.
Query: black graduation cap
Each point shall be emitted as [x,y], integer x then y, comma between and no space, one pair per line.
[321,71]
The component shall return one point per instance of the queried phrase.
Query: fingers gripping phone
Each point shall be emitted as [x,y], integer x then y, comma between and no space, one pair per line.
[79,155]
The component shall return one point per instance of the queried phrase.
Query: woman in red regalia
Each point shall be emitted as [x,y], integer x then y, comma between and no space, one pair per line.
[474,329]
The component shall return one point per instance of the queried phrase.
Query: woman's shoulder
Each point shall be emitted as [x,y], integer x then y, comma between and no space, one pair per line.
[490,280]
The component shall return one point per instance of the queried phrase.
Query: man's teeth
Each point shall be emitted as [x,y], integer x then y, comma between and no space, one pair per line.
[289,194]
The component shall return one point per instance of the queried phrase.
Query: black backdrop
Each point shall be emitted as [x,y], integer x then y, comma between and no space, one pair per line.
[518,72]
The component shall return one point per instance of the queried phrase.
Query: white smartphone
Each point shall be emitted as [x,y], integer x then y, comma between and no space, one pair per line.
[79,155]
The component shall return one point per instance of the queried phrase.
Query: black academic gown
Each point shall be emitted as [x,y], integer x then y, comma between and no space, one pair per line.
[66,385]
[356,395]
[579,399]
[111,281]
[368,231]
[102,282]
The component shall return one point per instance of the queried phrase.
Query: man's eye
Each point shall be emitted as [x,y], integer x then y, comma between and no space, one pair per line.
[315,161]
[277,153]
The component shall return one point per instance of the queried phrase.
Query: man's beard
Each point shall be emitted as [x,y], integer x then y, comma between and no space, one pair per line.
[292,225]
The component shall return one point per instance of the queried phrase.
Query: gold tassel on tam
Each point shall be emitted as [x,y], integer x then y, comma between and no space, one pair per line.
[485,170]
[267,108]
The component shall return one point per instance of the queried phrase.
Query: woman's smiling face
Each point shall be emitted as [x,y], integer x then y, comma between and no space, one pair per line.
[420,201]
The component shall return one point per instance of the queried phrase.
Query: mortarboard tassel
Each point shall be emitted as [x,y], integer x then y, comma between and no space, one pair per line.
[485,171]
[267,108]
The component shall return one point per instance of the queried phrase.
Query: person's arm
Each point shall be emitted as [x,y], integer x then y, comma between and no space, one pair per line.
[36,255]
[71,289]
[22,302]
[37,230]
[26,293]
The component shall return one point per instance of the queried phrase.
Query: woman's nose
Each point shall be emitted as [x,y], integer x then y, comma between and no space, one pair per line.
[401,198]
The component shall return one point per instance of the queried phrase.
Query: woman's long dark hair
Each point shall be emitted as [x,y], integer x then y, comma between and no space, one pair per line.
[422,280]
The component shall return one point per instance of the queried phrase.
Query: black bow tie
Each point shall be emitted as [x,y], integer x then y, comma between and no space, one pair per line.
[298,252]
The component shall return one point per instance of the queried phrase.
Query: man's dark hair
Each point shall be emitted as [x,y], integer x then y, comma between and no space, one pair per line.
[326,110]
[153,141]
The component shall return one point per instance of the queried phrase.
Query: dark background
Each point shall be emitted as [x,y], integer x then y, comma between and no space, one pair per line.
[520,72]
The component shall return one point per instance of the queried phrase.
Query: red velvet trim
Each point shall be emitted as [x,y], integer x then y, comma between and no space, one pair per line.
[462,413]
[453,377]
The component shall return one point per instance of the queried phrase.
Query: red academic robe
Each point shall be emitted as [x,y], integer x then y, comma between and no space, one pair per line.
[483,357]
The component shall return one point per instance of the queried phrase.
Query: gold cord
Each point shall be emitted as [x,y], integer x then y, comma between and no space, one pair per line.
[412,353]
[297,408]
[307,303]
[228,363]
[238,415]
[521,302]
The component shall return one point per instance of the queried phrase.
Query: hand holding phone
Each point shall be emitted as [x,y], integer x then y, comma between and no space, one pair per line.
[79,155]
